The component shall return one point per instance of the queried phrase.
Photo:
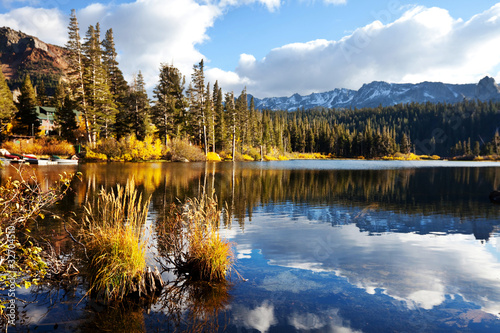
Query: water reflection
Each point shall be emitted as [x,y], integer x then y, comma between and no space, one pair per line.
[329,248]
[419,270]
[459,191]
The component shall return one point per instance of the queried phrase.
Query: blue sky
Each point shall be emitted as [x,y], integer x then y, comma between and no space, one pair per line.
[279,47]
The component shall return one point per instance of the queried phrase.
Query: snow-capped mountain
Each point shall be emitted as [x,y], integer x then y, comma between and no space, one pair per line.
[382,93]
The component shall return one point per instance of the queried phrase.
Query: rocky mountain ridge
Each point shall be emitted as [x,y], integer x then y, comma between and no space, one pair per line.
[382,93]
[21,53]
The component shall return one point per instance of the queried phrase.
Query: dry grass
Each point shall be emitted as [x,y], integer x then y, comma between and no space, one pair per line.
[113,237]
[190,237]
[42,146]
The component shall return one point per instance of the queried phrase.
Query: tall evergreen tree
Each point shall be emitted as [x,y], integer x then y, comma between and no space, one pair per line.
[231,114]
[27,122]
[220,118]
[118,87]
[7,106]
[242,118]
[117,84]
[41,94]
[210,115]
[76,71]
[65,119]
[169,100]
[197,102]
[405,145]
[101,104]
[135,119]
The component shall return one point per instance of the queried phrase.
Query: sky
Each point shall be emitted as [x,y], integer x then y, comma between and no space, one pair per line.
[276,48]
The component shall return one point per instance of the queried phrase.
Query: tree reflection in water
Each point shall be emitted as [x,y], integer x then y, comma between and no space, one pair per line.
[459,193]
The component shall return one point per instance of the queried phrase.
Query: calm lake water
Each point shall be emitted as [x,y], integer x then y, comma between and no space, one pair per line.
[324,246]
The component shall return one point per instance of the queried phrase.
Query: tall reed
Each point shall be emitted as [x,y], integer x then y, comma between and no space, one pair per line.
[114,240]
[190,236]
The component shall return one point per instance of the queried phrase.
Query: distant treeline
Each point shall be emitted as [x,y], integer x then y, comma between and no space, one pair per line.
[466,128]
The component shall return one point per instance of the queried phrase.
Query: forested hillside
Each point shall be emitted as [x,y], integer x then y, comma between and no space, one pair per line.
[444,129]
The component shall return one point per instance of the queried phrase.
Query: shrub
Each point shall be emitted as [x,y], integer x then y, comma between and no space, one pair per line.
[23,201]
[137,150]
[181,149]
[213,157]
[225,156]
[109,147]
[129,149]
[93,156]
[42,146]
[283,158]
[270,158]
[254,153]
[247,158]
[112,235]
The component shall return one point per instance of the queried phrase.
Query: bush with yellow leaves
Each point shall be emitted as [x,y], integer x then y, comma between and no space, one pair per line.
[22,202]
[213,157]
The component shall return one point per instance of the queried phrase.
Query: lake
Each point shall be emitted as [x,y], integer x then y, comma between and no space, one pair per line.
[321,246]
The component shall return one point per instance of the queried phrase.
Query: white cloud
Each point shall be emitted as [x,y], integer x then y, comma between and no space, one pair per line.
[287,281]
[147,32]
[150,32]
[424,44]
[335,2]
[327,2]
[324,321]
[9,3]
[260,318]
[49,25]
[420,271]
[271,5]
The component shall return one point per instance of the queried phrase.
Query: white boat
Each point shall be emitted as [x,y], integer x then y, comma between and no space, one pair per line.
[47,162]
[66,161]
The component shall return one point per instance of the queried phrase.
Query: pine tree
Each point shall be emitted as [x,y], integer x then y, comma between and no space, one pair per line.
[7,106]
[242,118]
[41,94]
[65,119]
[27,122]
[118,87]
[76,71]
[220,118]
[101,106]
[210,115]
[197,102]
[405,145]
[231,113]
[169,100]
[135,119]
[496,143]
[477,148]
[117,84]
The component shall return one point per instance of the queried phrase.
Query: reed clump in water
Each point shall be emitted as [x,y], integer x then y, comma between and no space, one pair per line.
[190,236]
[115,244]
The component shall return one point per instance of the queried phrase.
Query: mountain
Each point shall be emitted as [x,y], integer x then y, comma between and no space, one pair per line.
[382,93]
[21,53]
